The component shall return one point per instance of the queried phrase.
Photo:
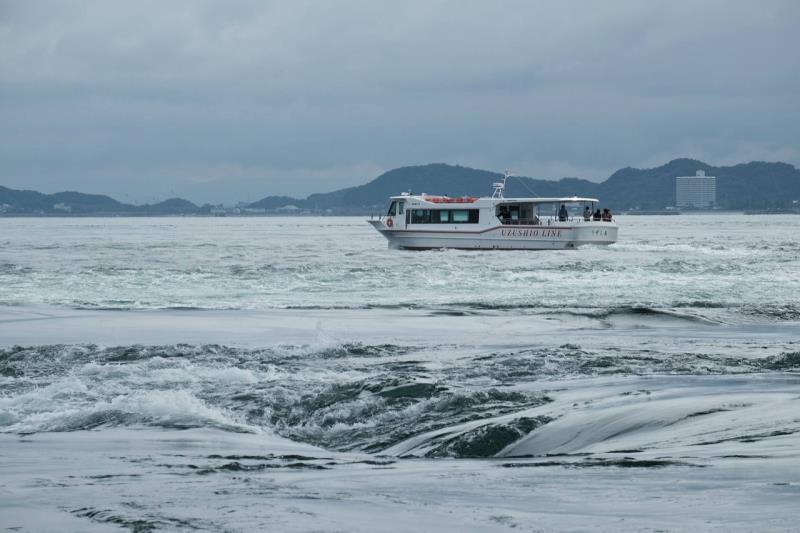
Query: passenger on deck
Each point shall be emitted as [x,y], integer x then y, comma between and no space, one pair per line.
[562,213]
[597,216]
[606,215]
[503,215]
[587,214]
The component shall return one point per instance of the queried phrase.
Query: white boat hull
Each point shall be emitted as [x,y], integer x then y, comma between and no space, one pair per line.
[502,237]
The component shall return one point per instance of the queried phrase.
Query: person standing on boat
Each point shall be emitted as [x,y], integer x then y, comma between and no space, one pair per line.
[503,215]
[587,214]
[562,213]
[597,216]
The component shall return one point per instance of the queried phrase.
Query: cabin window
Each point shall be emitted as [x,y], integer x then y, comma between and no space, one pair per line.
[392,209]
[420,216]
[444,216]
[517,214]
[401,206]
[465,216]
[462,215]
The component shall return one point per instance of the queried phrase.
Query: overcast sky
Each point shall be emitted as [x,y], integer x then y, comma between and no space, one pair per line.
[234,100]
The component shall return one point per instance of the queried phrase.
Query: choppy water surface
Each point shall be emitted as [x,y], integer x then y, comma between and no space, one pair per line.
[724,261]
[295,374]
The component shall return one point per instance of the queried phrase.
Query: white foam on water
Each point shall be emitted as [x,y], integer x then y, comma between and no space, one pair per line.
[68,406]
[233,374]
[346,265]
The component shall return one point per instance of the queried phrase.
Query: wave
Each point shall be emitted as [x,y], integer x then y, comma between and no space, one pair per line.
[345,397]
[786,361]
[541,307]
[634,311]
[376,414]
[787,312]
[163,409]
[486,440]
[13,269]
[50,359]
[596,462]
[287,389]
[675,415]
[710,310]
[135,522]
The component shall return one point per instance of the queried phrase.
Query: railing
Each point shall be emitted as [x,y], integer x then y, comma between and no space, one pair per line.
[548,221]
[538,221]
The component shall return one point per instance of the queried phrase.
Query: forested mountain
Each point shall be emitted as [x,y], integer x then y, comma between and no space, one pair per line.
[77,203]
[755,185]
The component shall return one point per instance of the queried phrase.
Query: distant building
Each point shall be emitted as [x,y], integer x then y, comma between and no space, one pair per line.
[698,191]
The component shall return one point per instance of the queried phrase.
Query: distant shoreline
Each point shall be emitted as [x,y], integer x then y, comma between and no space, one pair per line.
[134,215]
[759,187]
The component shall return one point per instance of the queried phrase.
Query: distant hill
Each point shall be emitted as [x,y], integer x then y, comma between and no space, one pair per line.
[172,206]
[436,178]
[273,202]
[755,185]
[77,203]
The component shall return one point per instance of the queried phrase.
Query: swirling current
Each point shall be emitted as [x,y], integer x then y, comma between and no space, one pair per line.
[295,374]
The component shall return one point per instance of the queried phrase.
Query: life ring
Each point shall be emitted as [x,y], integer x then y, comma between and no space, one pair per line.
[389,222]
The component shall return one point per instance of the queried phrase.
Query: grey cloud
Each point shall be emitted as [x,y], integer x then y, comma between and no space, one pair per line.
[295,97]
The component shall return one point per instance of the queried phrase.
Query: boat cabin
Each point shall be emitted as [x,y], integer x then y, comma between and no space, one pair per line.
[525,212]
[409,210]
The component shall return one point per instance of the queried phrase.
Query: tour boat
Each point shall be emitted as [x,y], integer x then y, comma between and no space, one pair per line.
[423,222]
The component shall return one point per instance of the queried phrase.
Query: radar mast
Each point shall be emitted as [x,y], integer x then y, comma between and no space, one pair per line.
[500,186]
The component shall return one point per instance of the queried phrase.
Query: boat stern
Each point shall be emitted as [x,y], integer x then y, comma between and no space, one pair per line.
[596,233]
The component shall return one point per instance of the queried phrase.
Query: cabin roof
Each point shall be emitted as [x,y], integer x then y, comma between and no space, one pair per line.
[469,200]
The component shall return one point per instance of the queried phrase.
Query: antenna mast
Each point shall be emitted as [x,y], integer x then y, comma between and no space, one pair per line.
[500,186]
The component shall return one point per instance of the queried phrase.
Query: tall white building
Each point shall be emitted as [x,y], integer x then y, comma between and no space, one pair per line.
[699,191]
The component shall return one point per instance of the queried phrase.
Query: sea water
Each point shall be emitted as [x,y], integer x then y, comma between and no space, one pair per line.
[294,374]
